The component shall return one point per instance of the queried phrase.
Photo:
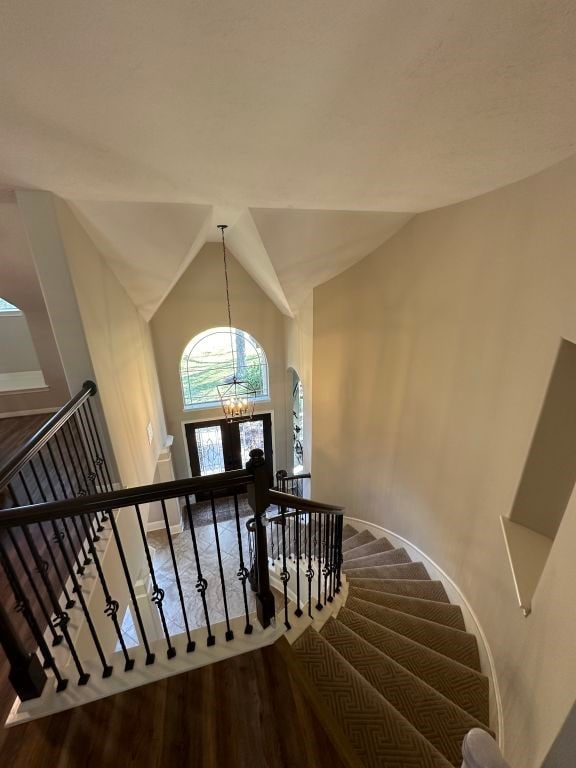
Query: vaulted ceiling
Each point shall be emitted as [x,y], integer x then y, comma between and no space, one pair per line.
[315,127]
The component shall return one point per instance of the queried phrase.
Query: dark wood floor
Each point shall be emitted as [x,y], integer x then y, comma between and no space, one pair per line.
[246,712]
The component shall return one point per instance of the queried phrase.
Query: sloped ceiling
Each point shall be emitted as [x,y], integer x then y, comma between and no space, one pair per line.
[369,107]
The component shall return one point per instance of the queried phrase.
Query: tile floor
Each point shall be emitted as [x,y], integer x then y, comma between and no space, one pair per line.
[217,597]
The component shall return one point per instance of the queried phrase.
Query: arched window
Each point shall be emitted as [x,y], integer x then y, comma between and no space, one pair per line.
[207,362]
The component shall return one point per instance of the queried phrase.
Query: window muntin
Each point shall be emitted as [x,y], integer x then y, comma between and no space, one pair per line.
[207,362]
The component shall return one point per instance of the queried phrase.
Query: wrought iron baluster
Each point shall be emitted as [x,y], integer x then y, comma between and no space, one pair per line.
[229,634]
[157,593]
[101,453]
[338,551]
[242,570]
[62,619]
[331,576]
[59,537]
[298,611]
[23,605]
[191,644]
[150,657]
[285,574]
[81,491]
[97,461]
[310,570]
[319,605]
[112,605]
[87,560]
[92,471]
[201,583]
[56,638]
[69,601]
[326,569]
[79,567]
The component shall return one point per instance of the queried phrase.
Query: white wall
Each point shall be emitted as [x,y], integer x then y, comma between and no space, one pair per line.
[299,345]
[431,362]
[198,302]
[19,284]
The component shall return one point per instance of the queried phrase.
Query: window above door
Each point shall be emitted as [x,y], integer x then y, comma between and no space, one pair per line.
[212,357]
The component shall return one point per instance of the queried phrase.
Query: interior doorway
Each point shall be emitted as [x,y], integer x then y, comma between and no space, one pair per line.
[217,446]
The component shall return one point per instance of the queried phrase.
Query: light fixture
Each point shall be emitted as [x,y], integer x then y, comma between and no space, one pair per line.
[237,397]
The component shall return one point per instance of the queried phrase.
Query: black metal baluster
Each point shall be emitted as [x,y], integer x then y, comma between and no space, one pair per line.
[338,551]
[201,583]
[112,606]
[59,537]
[284,573]
[149,655]
[242,570]
[229,634]
[191,644]
[56,638]
[93,449]
[87,560]
[157,593]
[331,577]
[79,567]
[326,569]
[62,619]
[23,605]
[319,605]
[310,570]
[92,475]
[81,491]
[69,601]
[101,453]
[298,611]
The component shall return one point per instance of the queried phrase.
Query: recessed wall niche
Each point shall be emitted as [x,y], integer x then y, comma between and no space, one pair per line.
[547,480]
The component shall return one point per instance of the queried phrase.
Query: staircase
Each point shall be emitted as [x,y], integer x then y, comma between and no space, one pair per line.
[395,670]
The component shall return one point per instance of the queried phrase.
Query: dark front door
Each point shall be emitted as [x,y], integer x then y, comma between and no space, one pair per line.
[216,446]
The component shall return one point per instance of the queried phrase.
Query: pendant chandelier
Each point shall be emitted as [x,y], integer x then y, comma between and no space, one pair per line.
[236,396]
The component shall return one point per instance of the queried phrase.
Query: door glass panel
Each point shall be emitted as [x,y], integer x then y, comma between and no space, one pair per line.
[251,436]
[210,453]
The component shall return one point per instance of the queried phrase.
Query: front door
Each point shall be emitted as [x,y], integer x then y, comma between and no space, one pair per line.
[217,446]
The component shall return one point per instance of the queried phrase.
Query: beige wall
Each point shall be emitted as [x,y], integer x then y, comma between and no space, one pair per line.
[121,353]
[299,342]
[431,362]
[19,285]
[196,303]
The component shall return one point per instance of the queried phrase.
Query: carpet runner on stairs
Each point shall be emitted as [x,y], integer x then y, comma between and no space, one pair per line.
[396,668]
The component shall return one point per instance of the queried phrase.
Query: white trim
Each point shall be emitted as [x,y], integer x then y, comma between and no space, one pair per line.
[31,412]
[211,418]
[11,313]
[471,620]
[158,525]
[22,381]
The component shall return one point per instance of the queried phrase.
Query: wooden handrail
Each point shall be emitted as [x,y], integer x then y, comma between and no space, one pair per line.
[144,494]
[38,440]
[300,504]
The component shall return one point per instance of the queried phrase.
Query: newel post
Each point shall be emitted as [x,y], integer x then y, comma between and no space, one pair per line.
[258,499]
[26,674]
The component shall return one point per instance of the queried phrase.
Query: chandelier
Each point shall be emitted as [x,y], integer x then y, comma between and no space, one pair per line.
[236,396]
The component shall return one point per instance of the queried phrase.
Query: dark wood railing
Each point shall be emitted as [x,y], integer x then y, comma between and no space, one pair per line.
[46,547]
[293,484]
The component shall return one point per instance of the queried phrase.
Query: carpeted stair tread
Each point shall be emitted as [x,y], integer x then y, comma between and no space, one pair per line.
[379,734]
[422,589]
[453,643]
[442,613]
[378,545]
[462,685]
[437,718]
[364,537]
[400,571]
[391,557]
[348,531]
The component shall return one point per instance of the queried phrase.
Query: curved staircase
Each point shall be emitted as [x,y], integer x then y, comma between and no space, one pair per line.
[395,669]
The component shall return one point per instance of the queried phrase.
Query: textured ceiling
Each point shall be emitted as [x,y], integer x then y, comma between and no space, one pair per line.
[367,106]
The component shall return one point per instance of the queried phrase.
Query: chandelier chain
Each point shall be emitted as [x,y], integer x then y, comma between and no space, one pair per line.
[222,227]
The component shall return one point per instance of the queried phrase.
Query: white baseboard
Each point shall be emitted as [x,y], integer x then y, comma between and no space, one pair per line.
[470,619]
[158,525]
